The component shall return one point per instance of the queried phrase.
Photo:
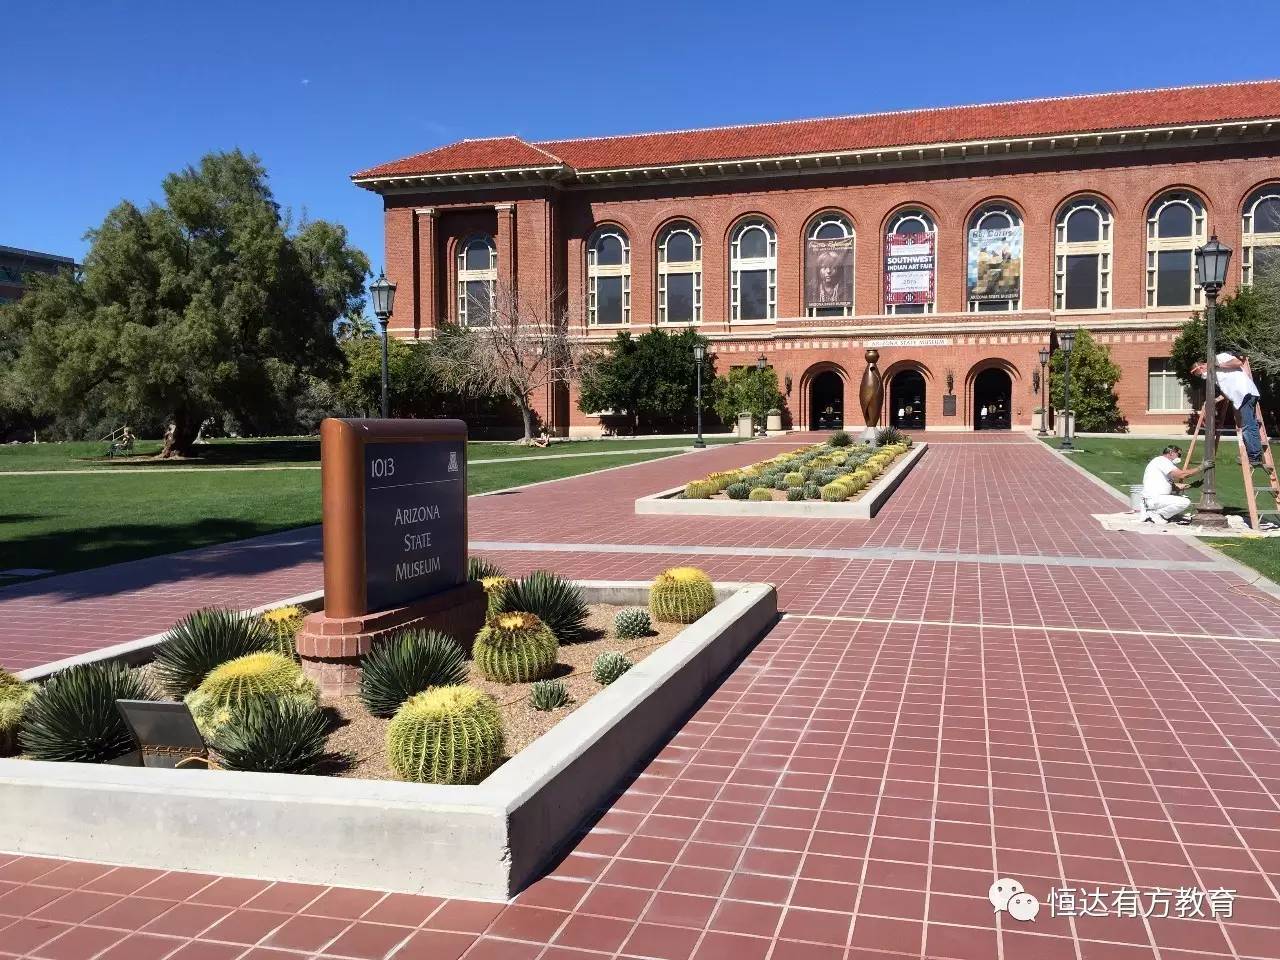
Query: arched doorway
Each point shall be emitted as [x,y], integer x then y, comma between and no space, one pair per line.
[906,400]
[992,400]
[826,401]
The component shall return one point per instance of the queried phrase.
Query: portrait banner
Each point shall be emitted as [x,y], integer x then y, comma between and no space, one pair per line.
[995,264]
[909,268]
[828,272]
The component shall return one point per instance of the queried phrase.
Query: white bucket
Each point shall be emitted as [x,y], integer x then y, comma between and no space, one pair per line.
[1135,497]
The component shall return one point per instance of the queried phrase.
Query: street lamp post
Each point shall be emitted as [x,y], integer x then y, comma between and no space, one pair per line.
[1067,340]
[1044,406]
[384,299]
[699,354]
[1211,273]
[761,362]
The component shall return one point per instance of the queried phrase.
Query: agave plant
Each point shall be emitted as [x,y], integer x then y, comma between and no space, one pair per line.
[273,735]
[548,695]
[408,663]
[203,640]
[553,600]
[73,718]
[478,568]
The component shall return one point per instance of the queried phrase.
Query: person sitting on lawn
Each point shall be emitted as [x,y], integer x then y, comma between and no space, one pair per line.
[1236,383]
[1159,501]
[541,440]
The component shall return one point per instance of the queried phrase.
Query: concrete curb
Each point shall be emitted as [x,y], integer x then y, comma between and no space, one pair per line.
[864,508]
[483,842]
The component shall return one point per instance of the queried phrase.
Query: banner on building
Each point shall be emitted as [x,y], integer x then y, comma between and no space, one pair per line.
[828,272]
[995,264]
[908,268]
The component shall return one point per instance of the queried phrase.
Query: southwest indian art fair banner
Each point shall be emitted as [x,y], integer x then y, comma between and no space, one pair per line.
[995,264]
[828,273]
[908,268]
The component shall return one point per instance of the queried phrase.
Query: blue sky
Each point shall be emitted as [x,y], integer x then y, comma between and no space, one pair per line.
[103,98]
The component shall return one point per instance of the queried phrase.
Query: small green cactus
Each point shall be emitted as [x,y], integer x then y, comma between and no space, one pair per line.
[515,647]
[738,491]
[760,493]
[495,589]
[445,735]
[795,493]
[681,595]
[548,695]
[609,667]
[256,676]
[283,623]
[700,489]
[632,623]
[835,492]
[794,479]
[15,694]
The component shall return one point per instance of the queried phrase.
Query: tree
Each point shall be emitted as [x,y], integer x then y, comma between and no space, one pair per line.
[212,304]
[522,349]
[651,377]
[1093,385]
[746,390]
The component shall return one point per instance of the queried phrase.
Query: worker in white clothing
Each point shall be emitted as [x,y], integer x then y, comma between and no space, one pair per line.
[1160,502]
[1232,375]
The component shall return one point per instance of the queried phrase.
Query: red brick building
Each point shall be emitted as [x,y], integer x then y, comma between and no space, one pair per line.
[956,241]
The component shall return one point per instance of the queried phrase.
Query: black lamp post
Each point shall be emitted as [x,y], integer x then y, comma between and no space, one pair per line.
[1211,273]
[1044,406]
[761,362]
[699,354]
[1067,340]
[383,292]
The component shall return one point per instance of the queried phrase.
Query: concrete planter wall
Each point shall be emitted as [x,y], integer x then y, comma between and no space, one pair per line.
[864,508]
[482,842]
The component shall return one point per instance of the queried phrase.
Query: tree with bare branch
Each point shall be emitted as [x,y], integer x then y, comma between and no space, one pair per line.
[512,346]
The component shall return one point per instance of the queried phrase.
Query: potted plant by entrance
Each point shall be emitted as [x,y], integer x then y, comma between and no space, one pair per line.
[773,421]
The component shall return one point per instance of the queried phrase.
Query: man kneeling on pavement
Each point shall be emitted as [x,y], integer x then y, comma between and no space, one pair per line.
[1159,501]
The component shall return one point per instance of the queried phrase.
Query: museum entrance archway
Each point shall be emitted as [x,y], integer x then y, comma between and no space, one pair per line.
[826,402]
[992,400]
[906,400]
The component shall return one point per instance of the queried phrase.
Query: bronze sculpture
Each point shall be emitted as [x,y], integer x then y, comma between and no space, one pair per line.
[871,394]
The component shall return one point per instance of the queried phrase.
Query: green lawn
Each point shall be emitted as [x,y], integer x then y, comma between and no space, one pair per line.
[1120,462]
[77,522]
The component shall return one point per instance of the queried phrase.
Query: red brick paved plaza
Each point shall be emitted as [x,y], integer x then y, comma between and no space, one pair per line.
[980,683]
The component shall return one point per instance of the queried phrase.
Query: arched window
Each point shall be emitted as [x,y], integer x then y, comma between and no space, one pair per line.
[680,274]
[912,267]
[609,276]
[753,271]
[477,272]
[1082,256]
[994,276]
[1261,256]
[828,266]
[1175,227]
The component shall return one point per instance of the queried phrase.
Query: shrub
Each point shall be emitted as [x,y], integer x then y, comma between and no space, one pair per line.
[478,568]
[515,647]
[756,483]
[257,676]
[201,641]
[495,589]
[553,600]
[73,716]
[681,595]
[888,435]
[273,736]
[408,663]
[548,695]
[794,479]
[632,623]
[795,493]
[609,667]
[780,483]
[445,735]
[839,439]
[812,491]
[283,624]
[737,491]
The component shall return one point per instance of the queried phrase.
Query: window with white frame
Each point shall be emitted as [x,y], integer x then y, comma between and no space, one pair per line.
[1165,392]
[1175,227]
[477,274]
[680,274]
[994,279]
[829,269]
[753,271]
[915,221]
[609,276]
[1082,256]
[1261,235]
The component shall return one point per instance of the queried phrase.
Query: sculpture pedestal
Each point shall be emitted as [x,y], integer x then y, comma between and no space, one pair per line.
[868,435]
[331,648]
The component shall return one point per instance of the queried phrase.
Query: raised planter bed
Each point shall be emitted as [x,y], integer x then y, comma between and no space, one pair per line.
[483,842]
[864,507]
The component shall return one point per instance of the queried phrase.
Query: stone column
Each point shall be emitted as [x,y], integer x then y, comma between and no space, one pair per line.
[429,275]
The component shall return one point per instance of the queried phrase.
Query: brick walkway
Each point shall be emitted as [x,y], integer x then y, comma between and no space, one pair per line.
[1006,692]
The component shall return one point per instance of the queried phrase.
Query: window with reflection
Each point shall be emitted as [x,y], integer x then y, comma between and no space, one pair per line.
[1175,227]
[994,275]
[477,274]
[609,276]
[1082,256]
[753,271]
[917,222]
[1260,246]
[828,266]
[680,274]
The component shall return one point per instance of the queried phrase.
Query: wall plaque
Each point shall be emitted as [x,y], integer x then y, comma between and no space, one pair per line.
[949,405]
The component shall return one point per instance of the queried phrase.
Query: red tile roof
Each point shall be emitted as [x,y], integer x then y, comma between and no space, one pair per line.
[1057,116]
